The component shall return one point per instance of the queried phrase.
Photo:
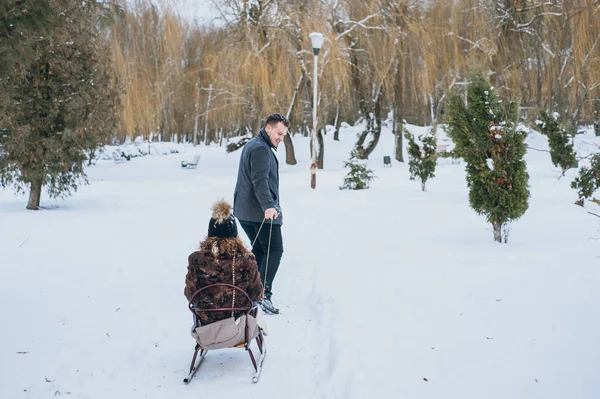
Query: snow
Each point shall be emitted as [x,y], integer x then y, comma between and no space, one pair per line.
[138,148]
[203,12]
[385,292]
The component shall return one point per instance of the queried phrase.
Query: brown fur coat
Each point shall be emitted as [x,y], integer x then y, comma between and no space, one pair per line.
[212,263]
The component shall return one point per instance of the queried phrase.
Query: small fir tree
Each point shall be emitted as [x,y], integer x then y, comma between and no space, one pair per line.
[560,140]
[588,179]
[61,107]
[422,159]
[359,176]
[486,137]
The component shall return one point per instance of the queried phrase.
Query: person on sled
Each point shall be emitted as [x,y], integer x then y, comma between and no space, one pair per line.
[222,258]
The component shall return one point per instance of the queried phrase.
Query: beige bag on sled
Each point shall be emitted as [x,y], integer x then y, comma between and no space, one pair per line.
[226,333]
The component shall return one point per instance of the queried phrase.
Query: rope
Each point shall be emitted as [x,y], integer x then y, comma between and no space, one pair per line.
[268,251]
[267,264]
[261,225]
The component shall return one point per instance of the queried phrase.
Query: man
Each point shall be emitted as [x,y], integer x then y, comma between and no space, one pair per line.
[256,200]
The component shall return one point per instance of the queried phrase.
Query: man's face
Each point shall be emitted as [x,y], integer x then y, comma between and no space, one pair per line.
[276,133]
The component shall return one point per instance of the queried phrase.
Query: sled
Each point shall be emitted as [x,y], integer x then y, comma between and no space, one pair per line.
[231,332]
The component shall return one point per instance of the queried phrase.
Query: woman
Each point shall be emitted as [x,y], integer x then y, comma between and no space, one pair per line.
[222,258]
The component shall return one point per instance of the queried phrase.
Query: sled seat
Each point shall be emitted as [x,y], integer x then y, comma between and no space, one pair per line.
[237,330]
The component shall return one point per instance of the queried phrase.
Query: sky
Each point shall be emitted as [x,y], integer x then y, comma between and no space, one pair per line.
[204,11]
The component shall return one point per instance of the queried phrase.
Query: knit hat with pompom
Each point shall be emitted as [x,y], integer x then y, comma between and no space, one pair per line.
[222,223]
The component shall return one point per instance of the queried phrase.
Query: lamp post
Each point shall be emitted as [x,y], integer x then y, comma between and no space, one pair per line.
[317,42]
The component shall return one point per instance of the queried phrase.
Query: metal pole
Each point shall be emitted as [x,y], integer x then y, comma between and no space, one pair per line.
[313,166]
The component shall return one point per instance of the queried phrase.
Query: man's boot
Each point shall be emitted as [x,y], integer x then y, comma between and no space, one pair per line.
[267,305]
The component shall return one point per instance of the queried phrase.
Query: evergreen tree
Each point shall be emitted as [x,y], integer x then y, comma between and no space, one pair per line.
[62,106]
[588,179]
[22,22]
[560,140]
[422,160]
[486,137]
[359,176]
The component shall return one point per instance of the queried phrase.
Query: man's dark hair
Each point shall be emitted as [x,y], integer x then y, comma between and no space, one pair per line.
[274,119]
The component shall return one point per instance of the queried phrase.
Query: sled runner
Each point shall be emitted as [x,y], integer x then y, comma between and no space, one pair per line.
[237,330]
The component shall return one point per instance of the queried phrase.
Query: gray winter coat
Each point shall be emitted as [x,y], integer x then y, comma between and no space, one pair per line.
[257,187]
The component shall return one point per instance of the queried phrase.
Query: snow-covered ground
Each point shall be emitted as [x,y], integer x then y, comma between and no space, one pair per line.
[386,292]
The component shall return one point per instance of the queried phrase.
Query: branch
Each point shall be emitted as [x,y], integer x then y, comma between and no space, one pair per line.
[533,7]
[547,49]
[305,52]
[359,23]
[554,14]
[475,44]
[531,148]
[590,53]
[586,157]
[294,96]
[595,214]
[378,92]
[265,46]
[24,242]
[223,107]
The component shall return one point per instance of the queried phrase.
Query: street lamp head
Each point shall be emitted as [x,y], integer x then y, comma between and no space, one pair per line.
[317,41]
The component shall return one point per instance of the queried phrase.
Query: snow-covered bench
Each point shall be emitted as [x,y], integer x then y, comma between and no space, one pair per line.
[191,165]
[441,149]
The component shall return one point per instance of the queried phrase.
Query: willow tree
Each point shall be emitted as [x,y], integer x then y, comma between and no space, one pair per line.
[371,57]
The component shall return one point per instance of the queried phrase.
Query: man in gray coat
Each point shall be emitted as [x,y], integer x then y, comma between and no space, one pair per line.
[256,200]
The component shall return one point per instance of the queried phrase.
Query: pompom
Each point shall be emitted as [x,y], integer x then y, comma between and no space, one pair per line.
[221,211]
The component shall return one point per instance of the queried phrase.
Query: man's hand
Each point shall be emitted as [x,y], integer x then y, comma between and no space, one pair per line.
[271,213]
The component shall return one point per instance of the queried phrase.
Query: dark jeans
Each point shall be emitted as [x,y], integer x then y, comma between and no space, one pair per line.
[260,249]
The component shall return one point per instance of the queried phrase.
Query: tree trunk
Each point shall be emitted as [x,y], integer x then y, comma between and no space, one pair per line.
[397,122]
[321,144]
[422,186]
[167,128]
[91,157]
[541,67]
[34,195]
[397,128]
[597,116]
[206,116]
[374,128]
[290,155]
[197,115]
[337,123]
[497,231]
